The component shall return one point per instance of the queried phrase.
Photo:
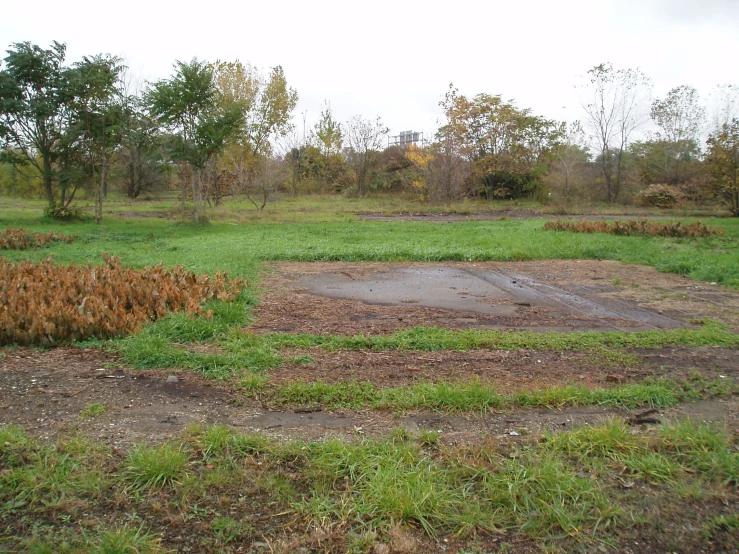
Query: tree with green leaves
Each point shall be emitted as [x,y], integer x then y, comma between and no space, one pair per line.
[509,147]
[680,117]
[329,136]
[722,160]
[267,103]
[97,119]
[187,105]
[141,158]
[34,108]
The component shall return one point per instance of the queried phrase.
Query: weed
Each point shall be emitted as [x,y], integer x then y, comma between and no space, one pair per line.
[302,360]
[227,529]
[148,467]
[125,539]
[728,522]
[633,227]
[429,438]
[93,410]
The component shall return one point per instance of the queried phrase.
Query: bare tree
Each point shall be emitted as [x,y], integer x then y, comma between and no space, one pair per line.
[570,155]
[723,105]
[448,172]
[615,108]
[365,138]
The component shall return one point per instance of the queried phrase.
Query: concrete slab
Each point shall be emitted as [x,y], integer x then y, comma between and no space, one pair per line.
[482,291]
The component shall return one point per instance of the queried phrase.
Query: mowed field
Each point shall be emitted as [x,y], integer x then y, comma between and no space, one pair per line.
[389,379]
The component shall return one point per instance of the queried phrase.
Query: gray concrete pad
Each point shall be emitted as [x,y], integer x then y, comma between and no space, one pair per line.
[481,291]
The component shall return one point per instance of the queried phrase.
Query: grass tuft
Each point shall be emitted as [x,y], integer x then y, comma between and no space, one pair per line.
[149,467]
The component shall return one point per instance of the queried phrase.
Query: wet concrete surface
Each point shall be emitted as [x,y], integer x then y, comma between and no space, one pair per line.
[486,292]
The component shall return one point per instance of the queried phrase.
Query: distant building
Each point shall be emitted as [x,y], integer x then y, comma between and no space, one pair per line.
[405,139]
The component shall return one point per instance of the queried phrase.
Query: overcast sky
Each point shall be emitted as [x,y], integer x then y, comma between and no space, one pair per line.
[396,59]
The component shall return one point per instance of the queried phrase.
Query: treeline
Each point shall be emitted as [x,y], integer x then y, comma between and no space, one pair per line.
[213,131]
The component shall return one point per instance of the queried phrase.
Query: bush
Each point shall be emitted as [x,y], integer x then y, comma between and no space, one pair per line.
[22,239]
[41,303]
[632,227]
[659,196]
[65,213]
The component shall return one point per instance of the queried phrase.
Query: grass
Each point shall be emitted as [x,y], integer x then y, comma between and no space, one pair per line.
[480,397]
[434,338]
[241,248]
[218,489]
[148,466]
[156,345]
[557,489]
[95,409]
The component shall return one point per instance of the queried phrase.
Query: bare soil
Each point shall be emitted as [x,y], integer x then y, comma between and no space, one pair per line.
[47,391]
[292,305]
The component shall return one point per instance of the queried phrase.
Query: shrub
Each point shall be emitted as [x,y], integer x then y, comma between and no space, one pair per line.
[65,213]
[45,302]
[633,227]
[22,239]
[659,196]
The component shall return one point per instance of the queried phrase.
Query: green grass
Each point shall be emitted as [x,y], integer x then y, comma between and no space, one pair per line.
[148,466]
[240,249]
[95,409]
[156,345]
[480,397]
[556,488]
[434,338]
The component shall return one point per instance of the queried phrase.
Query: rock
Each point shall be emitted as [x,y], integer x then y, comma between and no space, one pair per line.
[172,379]
[616,378]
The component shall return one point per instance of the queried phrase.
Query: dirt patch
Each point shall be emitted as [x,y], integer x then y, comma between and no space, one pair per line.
[379,298]
[508,371]
[45,392]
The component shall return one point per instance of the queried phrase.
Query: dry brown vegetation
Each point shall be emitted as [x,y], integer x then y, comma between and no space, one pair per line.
[46,302]
[634,227]
[23,239]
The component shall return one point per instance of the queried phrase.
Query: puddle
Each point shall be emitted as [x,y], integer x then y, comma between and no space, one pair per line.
[487,293]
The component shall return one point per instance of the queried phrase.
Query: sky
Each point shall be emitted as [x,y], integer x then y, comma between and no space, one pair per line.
[396,59]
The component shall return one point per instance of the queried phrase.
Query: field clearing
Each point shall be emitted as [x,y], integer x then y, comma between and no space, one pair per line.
[306,416]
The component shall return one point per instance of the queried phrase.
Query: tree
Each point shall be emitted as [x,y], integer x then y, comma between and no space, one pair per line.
[570,157]
[330,138]
[656,160]
[615,108]
[723,160]
[365,138]
[34,104]
[187,104]
[509,148]
[724,106]
[141,157]
[680,119]
[96,118]
[267,104]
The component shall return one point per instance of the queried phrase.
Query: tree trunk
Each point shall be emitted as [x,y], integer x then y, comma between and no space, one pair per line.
[100,191]
[183,192]
[48,181]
